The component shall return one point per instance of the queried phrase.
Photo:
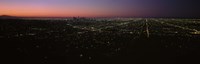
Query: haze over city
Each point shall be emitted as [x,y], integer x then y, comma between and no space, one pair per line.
[100,8]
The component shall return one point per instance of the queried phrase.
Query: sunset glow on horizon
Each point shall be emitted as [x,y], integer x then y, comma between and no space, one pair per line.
[88,8]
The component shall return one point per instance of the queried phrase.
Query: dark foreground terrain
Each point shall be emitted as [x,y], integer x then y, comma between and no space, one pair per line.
[101,41]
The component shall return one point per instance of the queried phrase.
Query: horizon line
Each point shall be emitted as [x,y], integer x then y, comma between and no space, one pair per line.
[103,16]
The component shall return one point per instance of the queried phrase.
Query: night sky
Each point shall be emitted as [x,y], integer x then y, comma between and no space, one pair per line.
[100,8]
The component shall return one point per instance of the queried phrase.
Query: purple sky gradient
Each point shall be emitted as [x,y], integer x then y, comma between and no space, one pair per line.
[99,8]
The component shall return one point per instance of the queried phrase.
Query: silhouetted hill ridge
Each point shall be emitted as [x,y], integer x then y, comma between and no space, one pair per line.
[8,17]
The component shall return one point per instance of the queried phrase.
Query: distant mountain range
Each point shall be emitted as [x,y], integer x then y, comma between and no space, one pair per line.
[8,17]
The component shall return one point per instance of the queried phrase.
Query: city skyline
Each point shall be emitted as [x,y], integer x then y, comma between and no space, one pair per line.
[100,8]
